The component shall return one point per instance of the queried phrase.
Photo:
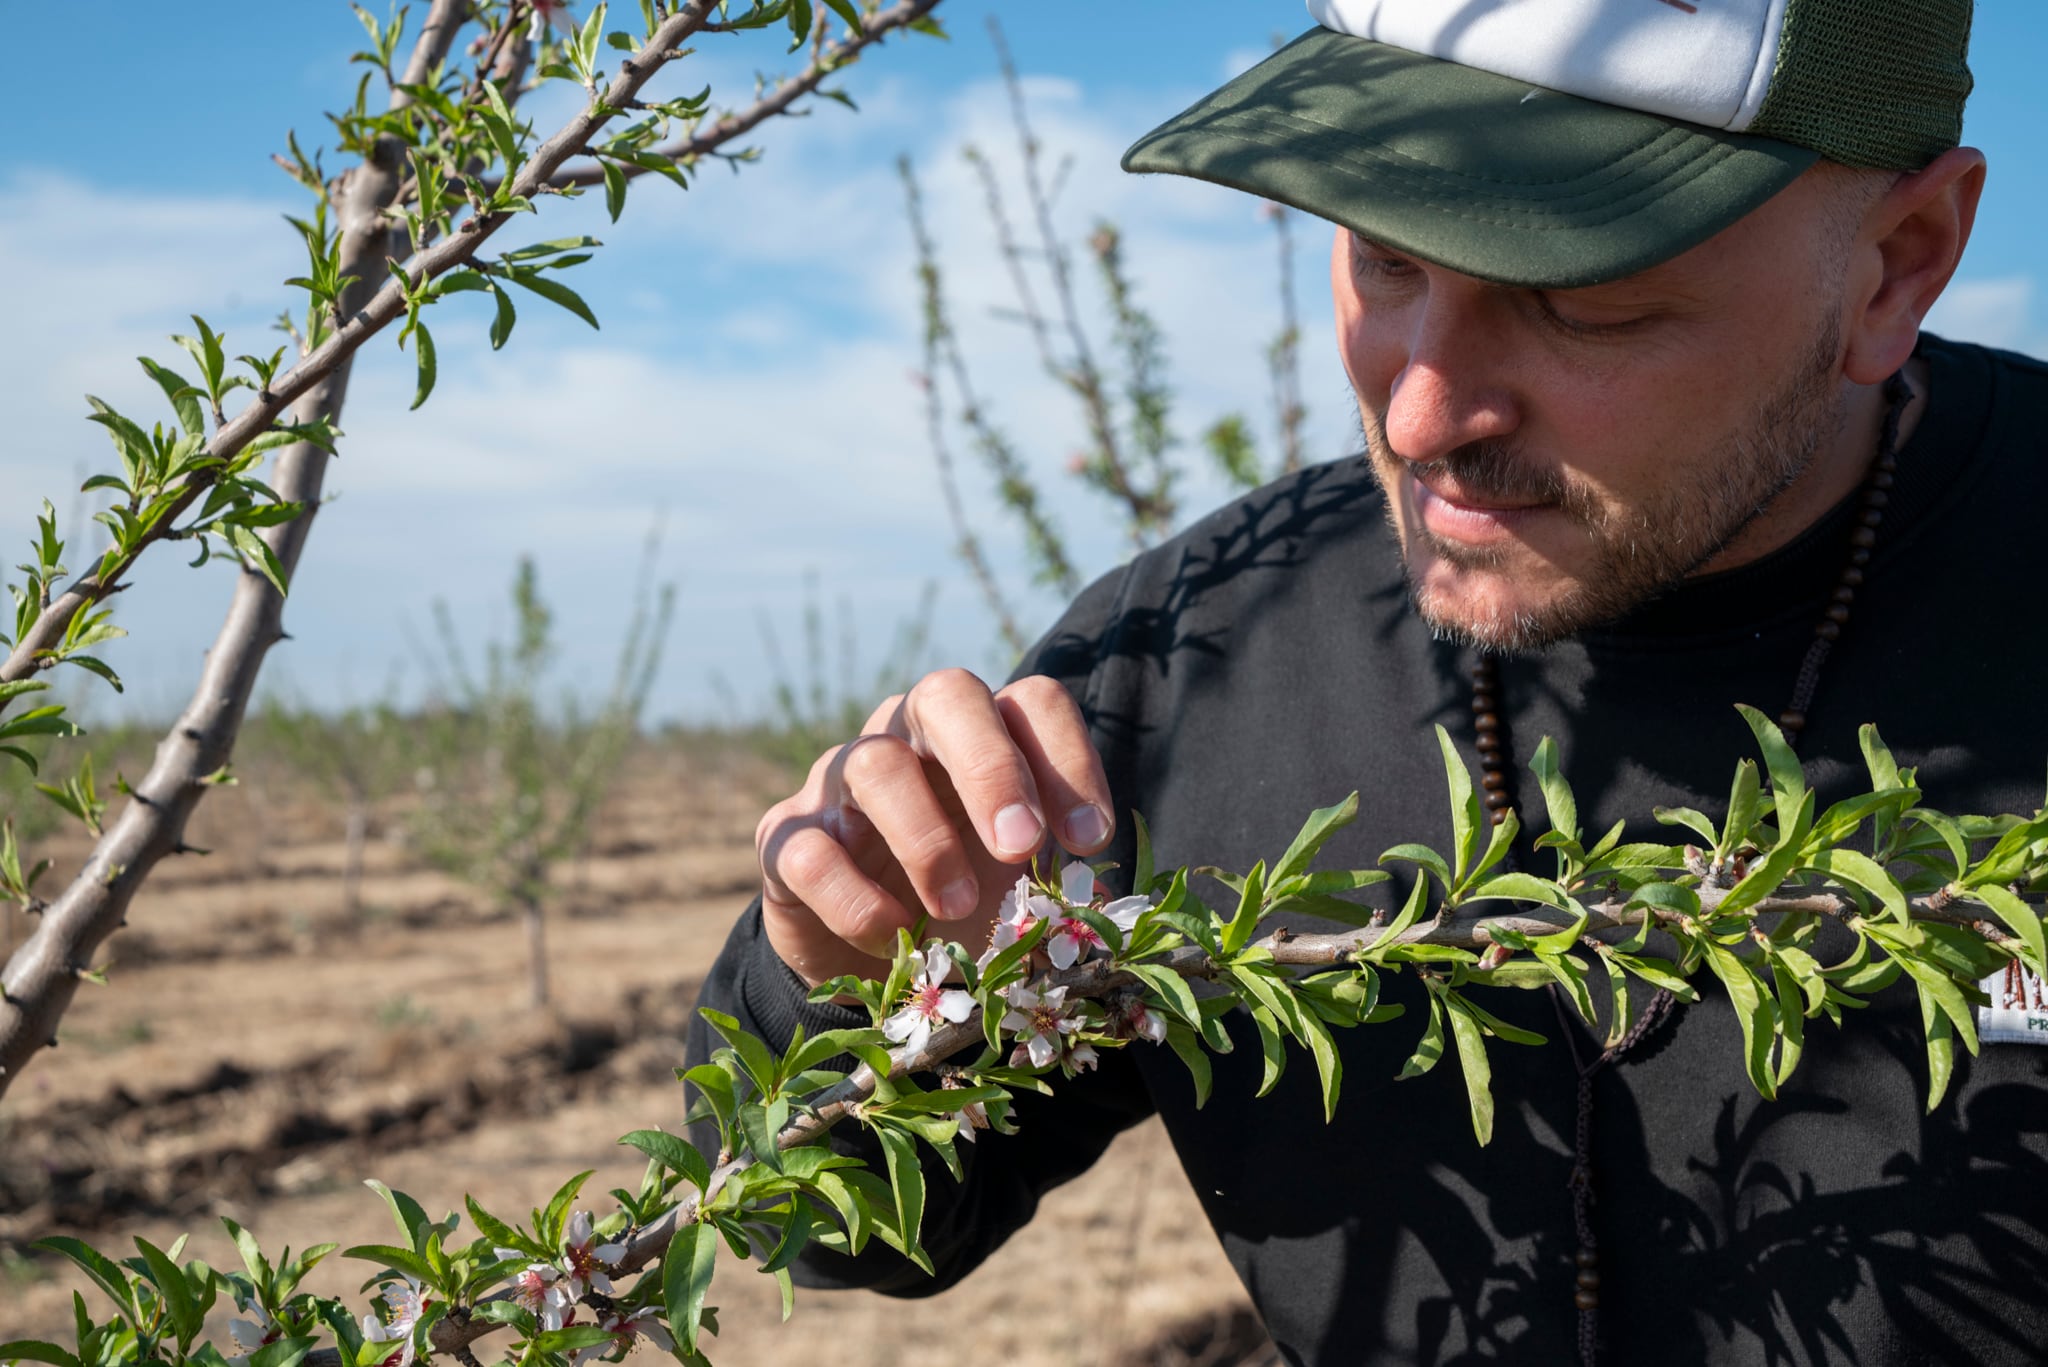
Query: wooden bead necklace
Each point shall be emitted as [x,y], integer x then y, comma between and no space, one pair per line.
[1490,730]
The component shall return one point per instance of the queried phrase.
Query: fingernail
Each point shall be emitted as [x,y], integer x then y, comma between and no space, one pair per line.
[958,898]
[1087,827]
[1017,829]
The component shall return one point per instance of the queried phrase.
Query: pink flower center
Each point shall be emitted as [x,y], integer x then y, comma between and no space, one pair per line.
[925,1001]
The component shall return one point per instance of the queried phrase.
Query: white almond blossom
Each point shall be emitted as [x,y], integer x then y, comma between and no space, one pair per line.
[624,1329]
[930,1002]
[540,1291]
[1073,939]
[402,1306]
[973,1116]
[249,1335]
[1041,1021]
[584,1260]
[1023,908]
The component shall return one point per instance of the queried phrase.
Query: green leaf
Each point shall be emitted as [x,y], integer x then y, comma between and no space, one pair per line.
[1271,1048]
[404,1260]
[184,398]
[714,1086]
[906,1177]
[1431,1046]
[1860,870]
[1185,1043]
[686,1271]
[502,1234]
[754,1056]
[846,10]
[1951,833]
[1411,912]
[1658,973]
[1250,905]
[501,324]
[35,1350]
[2023,920]
[257,552]
[1692,820]
[1422,856]
[1170,988]
[1788,779]
[186,1316]
[1941,1047]
[614,188]
[555,292]
[1877,757]
[424,351]
[1753,1011]
[1467,817]
[104,1271]
[1141,875]
[1558,801]
[1329,1065]
[1322,823]
[548,1224]
[1471,1042]
[1520,887]
[1744,802]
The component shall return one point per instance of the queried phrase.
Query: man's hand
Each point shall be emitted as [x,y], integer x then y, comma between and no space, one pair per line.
[946,791]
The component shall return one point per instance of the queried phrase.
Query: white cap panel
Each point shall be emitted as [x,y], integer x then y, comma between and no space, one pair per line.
[1705,61]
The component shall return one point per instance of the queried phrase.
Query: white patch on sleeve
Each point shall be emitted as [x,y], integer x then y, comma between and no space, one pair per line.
[1705,61]
[2018,1013]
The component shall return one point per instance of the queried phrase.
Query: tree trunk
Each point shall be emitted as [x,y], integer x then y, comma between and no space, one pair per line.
[352,862]
[536,950]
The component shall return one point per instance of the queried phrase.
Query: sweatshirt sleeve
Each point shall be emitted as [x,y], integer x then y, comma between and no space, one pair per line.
[1058,1137]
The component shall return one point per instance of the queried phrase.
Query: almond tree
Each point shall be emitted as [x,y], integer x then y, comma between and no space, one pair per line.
[439,169]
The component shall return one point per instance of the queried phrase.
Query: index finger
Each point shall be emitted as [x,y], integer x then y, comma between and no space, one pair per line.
[1047,727]
[951,718]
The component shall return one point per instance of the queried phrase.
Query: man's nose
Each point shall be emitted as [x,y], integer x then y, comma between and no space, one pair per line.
[1454,388]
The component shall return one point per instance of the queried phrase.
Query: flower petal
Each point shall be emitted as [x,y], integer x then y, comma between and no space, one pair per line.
[955,1005]
[1042,1051]
[1062,948]
[1077,884]
[1124,912]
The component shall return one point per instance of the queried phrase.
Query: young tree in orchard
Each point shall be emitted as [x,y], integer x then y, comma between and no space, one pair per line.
[509,784]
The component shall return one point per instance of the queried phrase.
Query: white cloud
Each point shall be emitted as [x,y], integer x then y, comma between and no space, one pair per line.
[1996,313]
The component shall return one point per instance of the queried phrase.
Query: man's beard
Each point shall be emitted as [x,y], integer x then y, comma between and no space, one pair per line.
[1638,552]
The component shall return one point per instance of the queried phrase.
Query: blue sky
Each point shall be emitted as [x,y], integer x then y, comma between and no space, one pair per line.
[750,384]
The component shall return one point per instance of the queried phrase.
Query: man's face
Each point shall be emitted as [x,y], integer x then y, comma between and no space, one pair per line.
[1554,458]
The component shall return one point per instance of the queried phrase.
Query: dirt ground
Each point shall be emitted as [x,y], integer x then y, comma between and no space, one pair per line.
[258,1051]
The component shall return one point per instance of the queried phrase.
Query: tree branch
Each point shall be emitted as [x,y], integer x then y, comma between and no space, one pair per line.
[685,152]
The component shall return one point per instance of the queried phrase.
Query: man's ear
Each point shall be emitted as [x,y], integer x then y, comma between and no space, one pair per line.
[1909,246]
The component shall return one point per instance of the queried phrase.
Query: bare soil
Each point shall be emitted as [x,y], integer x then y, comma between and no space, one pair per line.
[260,1050]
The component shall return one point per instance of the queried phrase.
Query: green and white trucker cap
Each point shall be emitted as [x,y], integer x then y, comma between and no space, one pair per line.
[1553,143]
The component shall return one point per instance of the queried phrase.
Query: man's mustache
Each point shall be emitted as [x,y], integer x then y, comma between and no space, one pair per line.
[1494,470]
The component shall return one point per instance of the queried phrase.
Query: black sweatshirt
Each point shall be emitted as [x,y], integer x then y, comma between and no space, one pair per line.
[1267,662]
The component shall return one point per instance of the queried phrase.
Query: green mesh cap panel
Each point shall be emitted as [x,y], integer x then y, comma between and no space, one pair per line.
[1870,82]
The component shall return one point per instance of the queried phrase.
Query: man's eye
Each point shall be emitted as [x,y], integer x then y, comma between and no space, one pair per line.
[1574,327]
[1375,261]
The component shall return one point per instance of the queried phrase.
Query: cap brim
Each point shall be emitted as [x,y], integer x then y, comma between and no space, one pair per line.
[1488,176]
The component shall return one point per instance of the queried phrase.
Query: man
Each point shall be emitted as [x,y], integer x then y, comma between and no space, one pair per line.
[1622,290]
